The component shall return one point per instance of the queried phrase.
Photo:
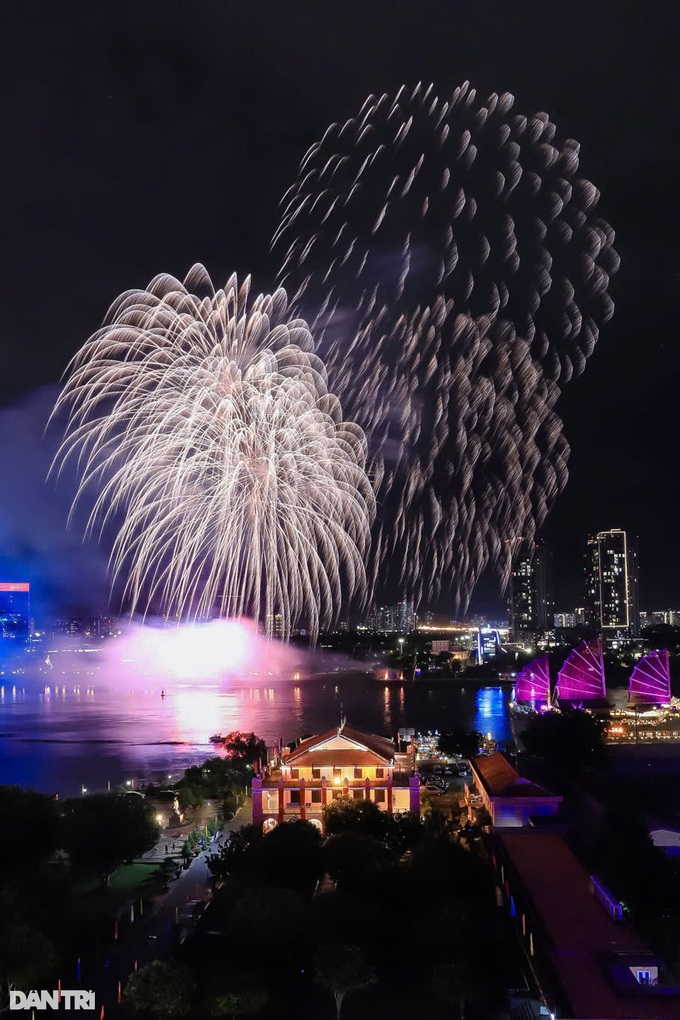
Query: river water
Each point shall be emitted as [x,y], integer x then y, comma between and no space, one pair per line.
[73,732]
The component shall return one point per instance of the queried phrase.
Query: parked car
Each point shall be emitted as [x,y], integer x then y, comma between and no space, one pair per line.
[435,791]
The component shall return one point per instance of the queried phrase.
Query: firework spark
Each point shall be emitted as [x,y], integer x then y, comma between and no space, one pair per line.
[458,274]
[202,420]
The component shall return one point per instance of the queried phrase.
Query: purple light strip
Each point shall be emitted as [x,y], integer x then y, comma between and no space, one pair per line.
[533,682]
[582,675]
[650,681]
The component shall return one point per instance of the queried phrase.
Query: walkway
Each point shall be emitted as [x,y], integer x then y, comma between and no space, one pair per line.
[151,934]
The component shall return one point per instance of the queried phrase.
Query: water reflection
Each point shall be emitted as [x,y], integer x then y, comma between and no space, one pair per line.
[492,715]
[61,736]
[387,716]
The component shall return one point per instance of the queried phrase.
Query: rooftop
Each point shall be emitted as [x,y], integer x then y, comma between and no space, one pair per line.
[500,779]
[584,944]
[345,741]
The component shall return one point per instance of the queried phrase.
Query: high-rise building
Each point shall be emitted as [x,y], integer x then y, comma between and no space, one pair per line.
[15,610]
[612,583]
[399,619]
[659,617]
[531,607]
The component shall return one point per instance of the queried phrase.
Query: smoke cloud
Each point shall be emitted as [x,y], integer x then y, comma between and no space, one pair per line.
[65,573]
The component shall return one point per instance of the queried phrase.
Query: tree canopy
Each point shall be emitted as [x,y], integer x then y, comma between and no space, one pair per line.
[342,969]
[568,741]
[159,988]
[36,817]
[104,829]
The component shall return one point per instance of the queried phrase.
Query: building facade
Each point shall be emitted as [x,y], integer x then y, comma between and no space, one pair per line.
[343,762]
[531,606]
[612,584]
[398,619]
[510,799]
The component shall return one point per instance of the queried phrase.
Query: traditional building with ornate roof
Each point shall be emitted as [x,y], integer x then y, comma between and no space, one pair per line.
[343,761]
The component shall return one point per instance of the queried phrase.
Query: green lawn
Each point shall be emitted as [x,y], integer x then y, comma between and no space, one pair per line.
[133,877]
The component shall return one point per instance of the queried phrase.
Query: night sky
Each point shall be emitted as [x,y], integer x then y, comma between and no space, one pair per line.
[140,137]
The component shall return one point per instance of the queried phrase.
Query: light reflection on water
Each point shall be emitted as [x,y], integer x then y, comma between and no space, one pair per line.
[60,737]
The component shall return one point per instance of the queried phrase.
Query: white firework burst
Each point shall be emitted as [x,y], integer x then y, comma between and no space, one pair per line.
[456,272]
[202,420]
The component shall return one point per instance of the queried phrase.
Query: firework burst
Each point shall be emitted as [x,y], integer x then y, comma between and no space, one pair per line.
[457,274]
[202,420]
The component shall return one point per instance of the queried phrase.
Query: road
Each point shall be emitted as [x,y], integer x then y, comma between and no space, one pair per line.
[151,934]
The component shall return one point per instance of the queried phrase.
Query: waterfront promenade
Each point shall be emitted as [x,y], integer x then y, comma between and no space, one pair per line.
[151,933]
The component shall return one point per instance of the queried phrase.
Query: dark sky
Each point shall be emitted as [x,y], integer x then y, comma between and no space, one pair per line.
[140,137]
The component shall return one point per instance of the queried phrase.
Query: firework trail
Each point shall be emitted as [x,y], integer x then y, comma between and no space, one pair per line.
[203,421]
[457,275]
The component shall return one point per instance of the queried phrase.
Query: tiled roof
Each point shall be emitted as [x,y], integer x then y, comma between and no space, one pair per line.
[500,779]
[495,771]
[380,747]
[324,758]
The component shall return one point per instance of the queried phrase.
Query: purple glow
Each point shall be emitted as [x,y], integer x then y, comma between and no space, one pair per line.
[582,675]
[208,651]
[650,681]
[533,683]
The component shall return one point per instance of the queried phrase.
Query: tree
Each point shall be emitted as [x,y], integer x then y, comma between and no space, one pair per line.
[350,858]
[568,741]
[27,958]
[167,870]
[160,988]
[362,816]
[235,857]
[290,856]
[404,832]
[245,746]
[33,815]
[457,983]
[460,741]
[265,910]
[342,969]
[245,998]
[185,797]
[105,829]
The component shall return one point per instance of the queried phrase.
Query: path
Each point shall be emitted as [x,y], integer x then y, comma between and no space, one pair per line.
[152,933]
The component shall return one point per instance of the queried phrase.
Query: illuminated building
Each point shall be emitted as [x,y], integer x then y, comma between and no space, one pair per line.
[437,647]
[661,617]
[586,961]
[486,644]
[510,799]
[399,619]
[273,625]
[15,610]
[612,584]
[531,604]
[340,762]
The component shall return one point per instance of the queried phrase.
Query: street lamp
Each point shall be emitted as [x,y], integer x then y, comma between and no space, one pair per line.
[83,791]
[401,645]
